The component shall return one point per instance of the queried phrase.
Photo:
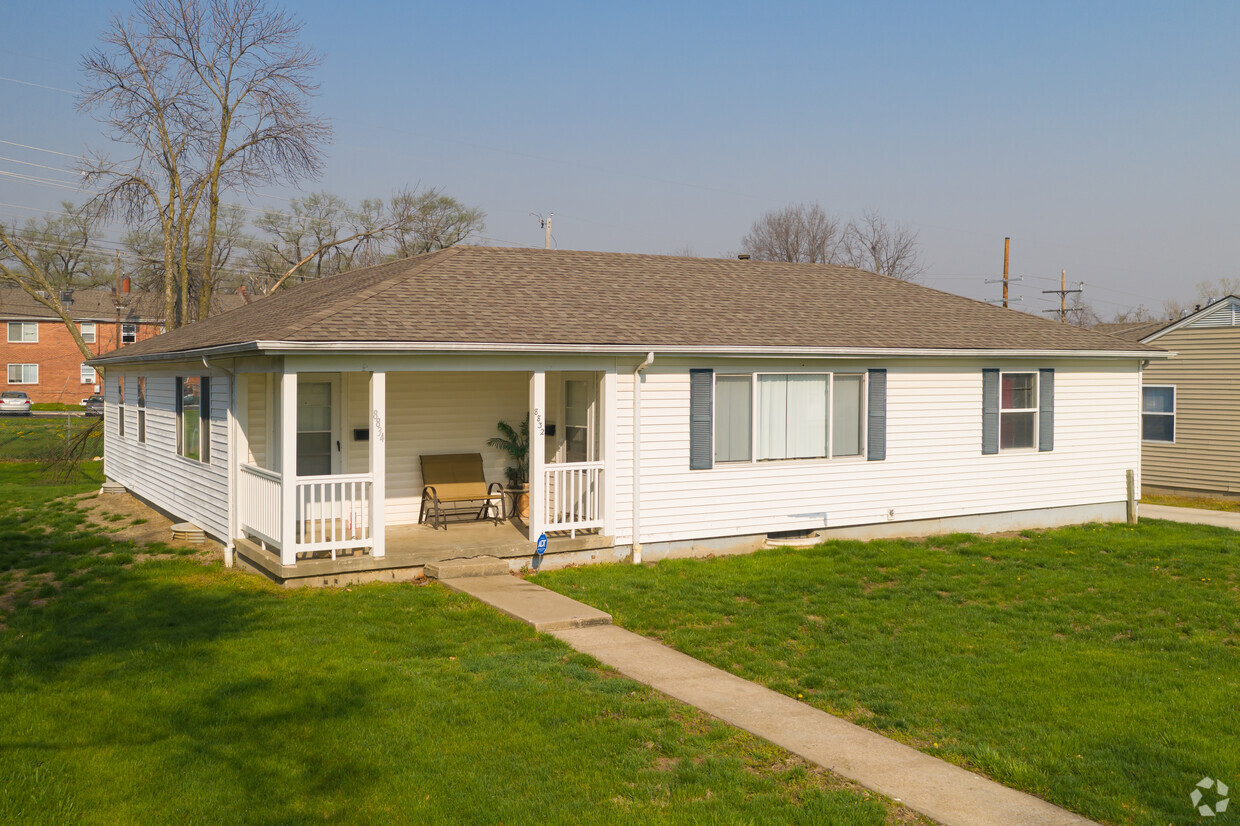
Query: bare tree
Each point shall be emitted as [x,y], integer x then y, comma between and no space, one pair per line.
[322,230]
[430,220]
[887,249]
[212,96]
[49,256]
[801,233]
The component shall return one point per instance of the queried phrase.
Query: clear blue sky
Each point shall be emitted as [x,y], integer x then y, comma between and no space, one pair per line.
[1102,137]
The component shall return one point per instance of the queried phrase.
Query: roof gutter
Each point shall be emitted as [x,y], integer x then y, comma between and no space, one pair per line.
[277,348]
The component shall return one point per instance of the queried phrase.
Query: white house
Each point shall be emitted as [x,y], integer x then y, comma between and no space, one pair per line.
[677,405]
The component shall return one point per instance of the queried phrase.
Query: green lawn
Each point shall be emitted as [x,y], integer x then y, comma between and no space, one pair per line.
[1096,666]
[176,691]
[26,438]
[1210,503]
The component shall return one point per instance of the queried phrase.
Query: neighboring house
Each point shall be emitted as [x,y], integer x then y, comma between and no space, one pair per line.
[686,405]
[1191,402]
[40,355]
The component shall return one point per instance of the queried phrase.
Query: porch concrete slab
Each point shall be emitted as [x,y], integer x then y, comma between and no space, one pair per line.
[466,566]
[1196,516]
[529,603]
[934,787]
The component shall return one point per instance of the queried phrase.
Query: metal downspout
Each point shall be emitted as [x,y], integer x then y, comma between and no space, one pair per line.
[637,457]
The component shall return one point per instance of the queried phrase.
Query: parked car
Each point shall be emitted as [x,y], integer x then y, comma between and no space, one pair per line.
[14,403]
[94,405]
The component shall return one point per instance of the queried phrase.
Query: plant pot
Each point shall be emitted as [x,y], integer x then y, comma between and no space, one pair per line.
[520,501]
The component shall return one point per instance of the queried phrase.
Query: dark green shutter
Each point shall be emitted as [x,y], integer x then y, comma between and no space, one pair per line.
[701,450]
[876,417]
[990,411]
[1046,409]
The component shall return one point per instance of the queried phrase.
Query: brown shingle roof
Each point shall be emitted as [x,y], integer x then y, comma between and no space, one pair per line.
[97,305]
[490,295]
[1132,330]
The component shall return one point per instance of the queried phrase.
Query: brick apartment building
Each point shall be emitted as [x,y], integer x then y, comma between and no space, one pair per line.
[40,355]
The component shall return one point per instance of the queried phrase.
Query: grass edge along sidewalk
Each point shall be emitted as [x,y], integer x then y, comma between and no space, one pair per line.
[145,691]
[1093,666]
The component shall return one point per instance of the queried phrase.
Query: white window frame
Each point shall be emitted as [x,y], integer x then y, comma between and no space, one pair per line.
[141,386]
[129,333]
[23,325]
[204,421]
[23,378]
[863,413]
[1172,414]
[1034,410]
[89,332]
[88,374]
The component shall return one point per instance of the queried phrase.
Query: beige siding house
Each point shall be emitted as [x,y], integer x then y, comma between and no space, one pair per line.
[1191,402]
[676,406]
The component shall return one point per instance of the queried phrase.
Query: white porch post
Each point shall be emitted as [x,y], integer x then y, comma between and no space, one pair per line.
[378,462]
[609,424]
[288,466]
[538,451]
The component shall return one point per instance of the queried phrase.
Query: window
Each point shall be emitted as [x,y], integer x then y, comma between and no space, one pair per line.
[88,332]
[23,374]
[846,414]
[796,416]
[88,374]
[1018,410]
[1158,413]
[194,417]
[129,333]
[733,418]
[23,331]
[120,406]
[142,409]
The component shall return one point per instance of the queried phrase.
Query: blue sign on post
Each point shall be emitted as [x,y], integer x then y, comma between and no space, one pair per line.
[542,544]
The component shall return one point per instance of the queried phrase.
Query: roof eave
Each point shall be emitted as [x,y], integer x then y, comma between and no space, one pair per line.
[282,348]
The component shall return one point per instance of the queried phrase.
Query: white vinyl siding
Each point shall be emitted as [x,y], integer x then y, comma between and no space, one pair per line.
[23,332]
[932,467]
[192,491]
[23,374]
[438,413]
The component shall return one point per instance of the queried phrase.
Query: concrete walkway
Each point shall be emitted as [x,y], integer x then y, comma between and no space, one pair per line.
[1196,516]
[926,784]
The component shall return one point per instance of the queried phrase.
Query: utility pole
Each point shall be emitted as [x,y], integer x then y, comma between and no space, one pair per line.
[1007,248]
[117,298]
[1062,292]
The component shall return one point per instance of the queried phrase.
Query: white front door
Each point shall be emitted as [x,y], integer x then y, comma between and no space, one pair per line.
[318,425]
[578,420]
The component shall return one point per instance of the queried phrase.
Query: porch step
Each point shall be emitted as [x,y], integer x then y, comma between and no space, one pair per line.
[466,567]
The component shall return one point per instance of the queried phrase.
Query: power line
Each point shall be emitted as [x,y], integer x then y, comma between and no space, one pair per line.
[38,85]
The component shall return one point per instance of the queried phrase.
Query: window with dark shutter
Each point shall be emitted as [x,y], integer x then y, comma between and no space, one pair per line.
[701,450]
[876,416]
[1046,409]
[990,411]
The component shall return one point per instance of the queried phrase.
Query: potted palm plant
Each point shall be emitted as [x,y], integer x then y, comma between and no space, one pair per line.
[516,443]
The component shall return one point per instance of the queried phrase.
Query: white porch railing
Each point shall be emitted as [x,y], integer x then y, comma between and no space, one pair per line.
[333,512]
[572,496]
[258,499]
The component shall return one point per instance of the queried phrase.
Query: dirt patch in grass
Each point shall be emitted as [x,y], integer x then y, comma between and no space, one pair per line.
[125,518]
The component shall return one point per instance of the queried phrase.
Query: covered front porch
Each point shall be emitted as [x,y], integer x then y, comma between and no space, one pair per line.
[349,499]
